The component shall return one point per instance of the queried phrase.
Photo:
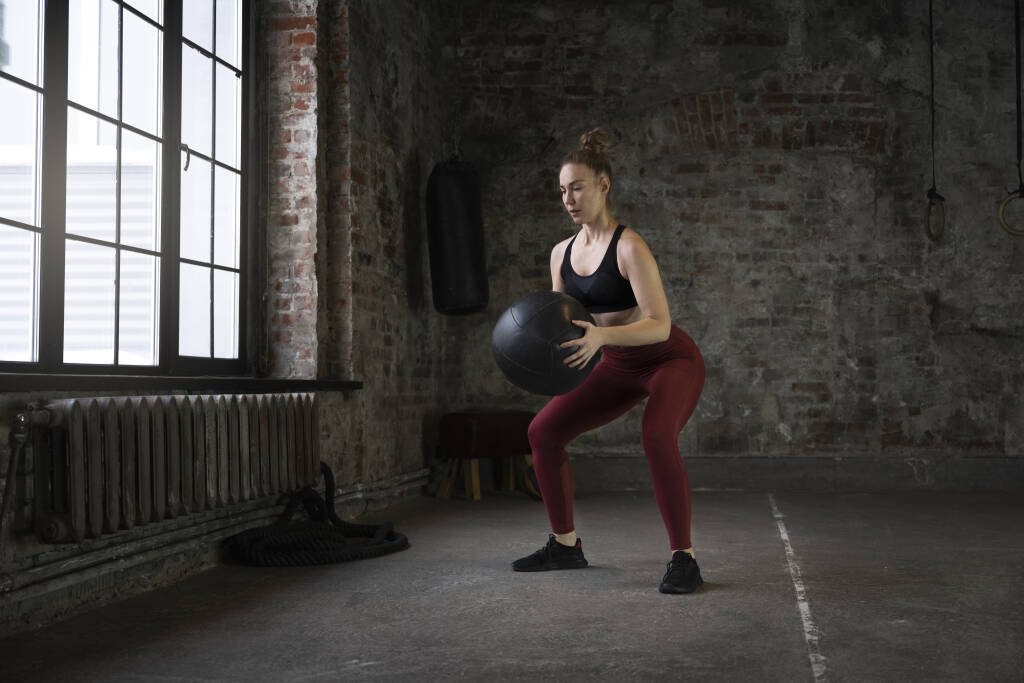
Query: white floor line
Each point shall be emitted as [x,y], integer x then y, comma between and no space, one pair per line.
[810,630]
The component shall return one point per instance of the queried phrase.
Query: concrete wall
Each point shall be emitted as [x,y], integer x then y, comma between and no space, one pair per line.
[776,158]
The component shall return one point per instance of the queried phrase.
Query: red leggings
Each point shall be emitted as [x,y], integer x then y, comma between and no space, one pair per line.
[670,374]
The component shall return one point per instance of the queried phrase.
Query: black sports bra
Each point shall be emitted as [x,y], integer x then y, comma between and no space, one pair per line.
[605,290]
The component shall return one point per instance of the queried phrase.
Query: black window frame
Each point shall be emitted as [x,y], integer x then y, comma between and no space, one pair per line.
[53,195]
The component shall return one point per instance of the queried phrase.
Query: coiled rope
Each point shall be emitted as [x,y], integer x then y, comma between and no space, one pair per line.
[324,539]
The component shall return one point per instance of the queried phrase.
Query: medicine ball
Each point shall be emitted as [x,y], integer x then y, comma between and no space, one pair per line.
[526,342]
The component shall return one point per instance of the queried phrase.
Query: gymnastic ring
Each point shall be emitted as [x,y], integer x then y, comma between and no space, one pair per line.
[1002,218]
[935,236]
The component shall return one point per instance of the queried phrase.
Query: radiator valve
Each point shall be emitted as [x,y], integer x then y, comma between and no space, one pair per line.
[24,422]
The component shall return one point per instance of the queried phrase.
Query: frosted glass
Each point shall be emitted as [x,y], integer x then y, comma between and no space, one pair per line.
[197,22]
[91,177]
[225,314]
[195,210]
[194,311]
[140,191]
[138,310]
[229,31]
[92,55]
[143,66]
[226,218]
[197,101]
[19,152]
[89,285]
[21,36]
[19,294]
[229,121]
[154,9]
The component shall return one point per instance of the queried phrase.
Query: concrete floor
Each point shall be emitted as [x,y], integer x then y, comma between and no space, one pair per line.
[893,587]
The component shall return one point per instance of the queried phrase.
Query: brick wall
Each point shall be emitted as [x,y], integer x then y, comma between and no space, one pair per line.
[359,125]
[291,109]
[776,160]
[777,169]
[396,120]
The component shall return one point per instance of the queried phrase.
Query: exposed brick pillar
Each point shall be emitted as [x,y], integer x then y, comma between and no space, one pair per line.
[334,257]
[292,293]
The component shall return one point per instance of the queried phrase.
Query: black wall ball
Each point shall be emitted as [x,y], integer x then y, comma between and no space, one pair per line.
[526,342]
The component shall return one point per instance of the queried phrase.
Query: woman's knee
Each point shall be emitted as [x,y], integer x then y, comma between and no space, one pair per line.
[660,442]
[541,434]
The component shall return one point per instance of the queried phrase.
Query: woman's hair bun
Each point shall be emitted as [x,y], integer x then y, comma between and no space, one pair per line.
[592,153]
[594,140]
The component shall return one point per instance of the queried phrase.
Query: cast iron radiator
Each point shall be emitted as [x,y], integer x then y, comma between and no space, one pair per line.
[108,464]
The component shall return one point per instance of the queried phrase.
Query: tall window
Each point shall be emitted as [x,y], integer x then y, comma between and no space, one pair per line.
[210,179]
[20,143]
[121,179]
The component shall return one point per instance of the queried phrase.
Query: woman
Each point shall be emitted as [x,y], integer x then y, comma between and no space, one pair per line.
[610,269]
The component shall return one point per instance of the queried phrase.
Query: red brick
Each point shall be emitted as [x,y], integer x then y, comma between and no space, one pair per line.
[292,23]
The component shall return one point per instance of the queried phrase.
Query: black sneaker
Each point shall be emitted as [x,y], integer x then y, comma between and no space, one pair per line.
[552,556]
[683,575]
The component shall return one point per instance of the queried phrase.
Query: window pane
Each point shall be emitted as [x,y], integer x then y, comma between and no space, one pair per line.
[140,191]
[229,31]
[92,55]
[137,331]
[154,9]
[19,287]
[92,177]
[19,40]
[197,22]
[88,303]
[195,210]
[196,101]
[229,93]
[194,311]
[226,219]
[142,69]
[19,169]
[225,314]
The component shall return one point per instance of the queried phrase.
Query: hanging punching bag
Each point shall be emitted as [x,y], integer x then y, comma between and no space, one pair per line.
[455,239]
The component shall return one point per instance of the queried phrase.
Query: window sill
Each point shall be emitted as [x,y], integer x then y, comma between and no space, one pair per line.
[26,382]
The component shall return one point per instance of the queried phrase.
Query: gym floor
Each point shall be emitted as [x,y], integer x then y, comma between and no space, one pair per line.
[798,587]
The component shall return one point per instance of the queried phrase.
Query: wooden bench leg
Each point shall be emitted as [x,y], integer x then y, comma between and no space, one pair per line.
[451,469]
[471,469]
[528,481]
[508,474]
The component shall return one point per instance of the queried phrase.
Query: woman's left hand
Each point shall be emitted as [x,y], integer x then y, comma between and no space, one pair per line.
[587,345]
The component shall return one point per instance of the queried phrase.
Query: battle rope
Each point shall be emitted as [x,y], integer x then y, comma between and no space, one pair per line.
[1019,192]
[325,539]
[934,198]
